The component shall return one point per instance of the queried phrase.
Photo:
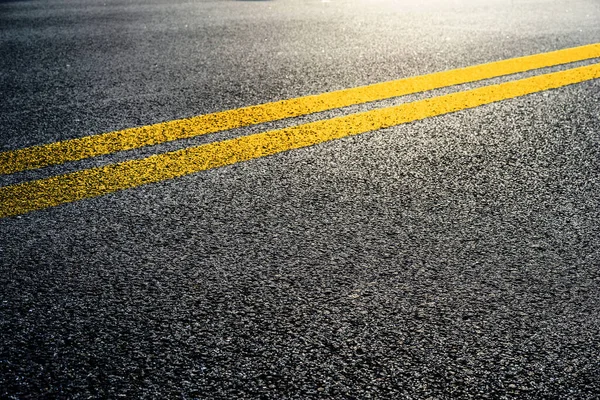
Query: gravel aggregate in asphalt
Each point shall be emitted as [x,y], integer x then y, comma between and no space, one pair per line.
[454,257]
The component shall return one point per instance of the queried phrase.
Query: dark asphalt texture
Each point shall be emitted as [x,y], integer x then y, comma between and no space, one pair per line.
[452,258]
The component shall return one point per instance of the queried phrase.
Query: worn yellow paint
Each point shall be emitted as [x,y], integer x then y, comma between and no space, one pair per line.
[40,194]
[92,146]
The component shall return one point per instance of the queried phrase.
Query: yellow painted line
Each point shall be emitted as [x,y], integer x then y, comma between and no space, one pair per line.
[40,194]
[96,145]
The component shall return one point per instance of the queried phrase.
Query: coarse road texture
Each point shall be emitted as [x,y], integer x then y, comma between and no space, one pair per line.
[456,256]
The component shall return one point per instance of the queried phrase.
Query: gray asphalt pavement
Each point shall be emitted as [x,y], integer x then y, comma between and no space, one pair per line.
[456,257]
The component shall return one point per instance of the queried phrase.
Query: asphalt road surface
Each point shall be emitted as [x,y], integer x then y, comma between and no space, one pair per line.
[451,257]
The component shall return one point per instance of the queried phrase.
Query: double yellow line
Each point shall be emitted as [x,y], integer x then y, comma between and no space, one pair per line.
[39,194]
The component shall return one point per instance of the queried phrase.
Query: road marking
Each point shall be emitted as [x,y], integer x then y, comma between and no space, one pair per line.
[56,190]
[107,143]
